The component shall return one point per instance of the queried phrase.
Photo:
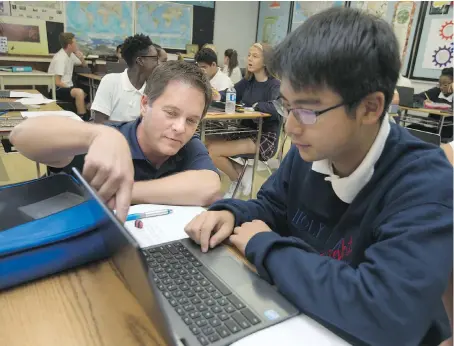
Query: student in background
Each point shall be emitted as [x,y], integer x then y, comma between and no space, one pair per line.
[353,227]
[62,65]
[440,94]
[207,60]
[443,92]
[118,52]
[161,53]
[231,67]
[158,150]
[257,90]
[119,94]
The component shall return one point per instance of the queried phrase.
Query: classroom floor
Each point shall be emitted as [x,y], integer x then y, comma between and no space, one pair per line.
[15,168]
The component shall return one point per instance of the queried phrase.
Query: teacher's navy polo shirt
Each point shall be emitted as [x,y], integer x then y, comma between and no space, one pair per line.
[192,156]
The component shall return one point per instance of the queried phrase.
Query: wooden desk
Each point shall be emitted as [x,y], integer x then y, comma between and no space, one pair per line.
[5,131]
[239,116]
[428,111]
[28,78]
[47,107]
[86,306]
[93,80]
[443,115]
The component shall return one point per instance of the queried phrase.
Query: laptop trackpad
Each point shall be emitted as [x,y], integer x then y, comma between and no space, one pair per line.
[232,272]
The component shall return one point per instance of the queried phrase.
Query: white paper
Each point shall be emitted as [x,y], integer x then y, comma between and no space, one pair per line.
[34,101]
[299,330]
[66,114]
[17,94]
[161,229]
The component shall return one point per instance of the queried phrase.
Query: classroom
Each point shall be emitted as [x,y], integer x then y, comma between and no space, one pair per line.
[190,173]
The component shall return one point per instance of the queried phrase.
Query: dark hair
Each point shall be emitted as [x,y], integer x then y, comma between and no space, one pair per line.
[206,55]
[118,47]
[178,71]
[66,38]
[134,46]
[268,52]
[346,50]
[447,72]
[233,59]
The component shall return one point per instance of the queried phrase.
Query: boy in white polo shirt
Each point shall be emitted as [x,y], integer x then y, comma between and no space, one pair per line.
[118,96]
[62,66]
[207,60]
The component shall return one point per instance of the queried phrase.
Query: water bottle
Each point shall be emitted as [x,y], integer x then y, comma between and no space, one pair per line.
[230,100]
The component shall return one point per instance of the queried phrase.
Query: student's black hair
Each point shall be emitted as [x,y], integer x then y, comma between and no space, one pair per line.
[207,56]
[233,59]
[135,46]
[346,50]
[447,72]
[118,47]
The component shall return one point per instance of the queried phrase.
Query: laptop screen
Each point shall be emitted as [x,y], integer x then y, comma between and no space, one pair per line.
[126,256]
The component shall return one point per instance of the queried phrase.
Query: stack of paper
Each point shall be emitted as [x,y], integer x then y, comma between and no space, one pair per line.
[35,101]
[17,94]
[67,114]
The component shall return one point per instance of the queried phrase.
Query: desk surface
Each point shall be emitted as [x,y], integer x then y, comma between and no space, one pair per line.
[91,76]
[47,107]
[36,72]
[85,306]
[429,111]
[235,116]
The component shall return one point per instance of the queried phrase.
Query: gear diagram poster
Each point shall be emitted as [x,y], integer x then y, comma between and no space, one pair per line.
[439,48]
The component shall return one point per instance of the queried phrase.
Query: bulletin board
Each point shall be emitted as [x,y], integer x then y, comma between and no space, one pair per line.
[25,36]
[274,21]
[403,17]
[434,42]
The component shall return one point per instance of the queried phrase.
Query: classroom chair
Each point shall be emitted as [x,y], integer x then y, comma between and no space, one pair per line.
[279,148]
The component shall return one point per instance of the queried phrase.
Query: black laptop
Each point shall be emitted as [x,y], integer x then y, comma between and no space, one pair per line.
[192,298]
[425,136]
[407,97]
[12,106]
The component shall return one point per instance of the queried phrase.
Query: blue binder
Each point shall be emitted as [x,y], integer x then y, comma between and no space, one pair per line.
[46,226]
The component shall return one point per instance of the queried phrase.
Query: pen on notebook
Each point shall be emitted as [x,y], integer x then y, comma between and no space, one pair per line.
[138,216]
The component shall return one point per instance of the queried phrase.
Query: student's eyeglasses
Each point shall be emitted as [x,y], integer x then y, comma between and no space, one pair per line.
[305,116]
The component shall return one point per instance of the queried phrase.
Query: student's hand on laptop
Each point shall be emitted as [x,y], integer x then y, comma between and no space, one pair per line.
[210,228]
[241,235]
[108,169]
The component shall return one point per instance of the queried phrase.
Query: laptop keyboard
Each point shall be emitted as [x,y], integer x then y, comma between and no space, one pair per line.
[208,307]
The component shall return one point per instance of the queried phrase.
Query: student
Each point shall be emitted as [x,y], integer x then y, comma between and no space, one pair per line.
[158,150]
[257,90]
[118,52]
[440,94]
[62,65]
[354,227]
[207,60]
[119,94]
[231,67]
[162,54]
